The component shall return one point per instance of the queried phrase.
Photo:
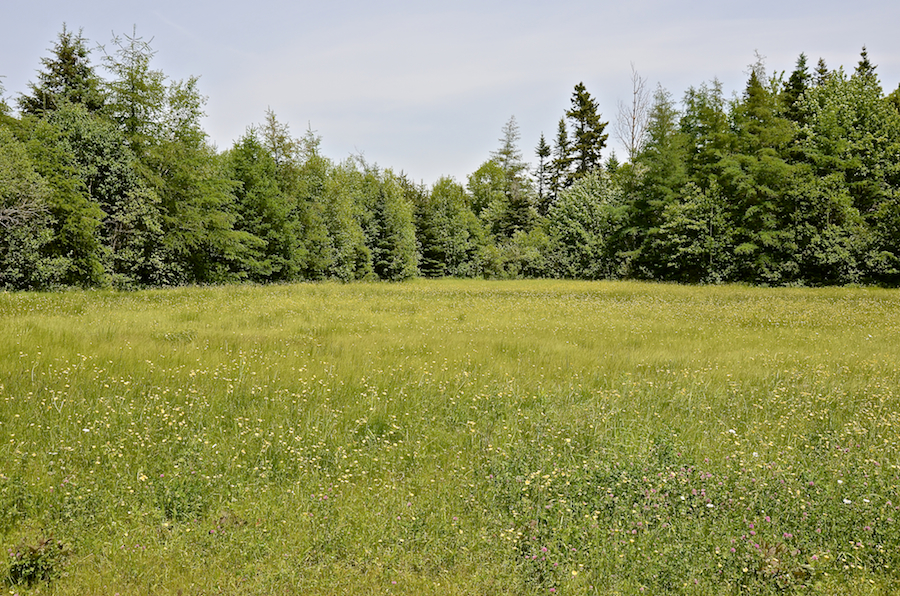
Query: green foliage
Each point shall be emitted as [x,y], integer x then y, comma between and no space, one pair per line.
[486,187]
[525,255]
[131,230]
[515,211]
[582,227]
[74,247]
[789,183]
[350,257]
[660,172]
[25,220]
[704,122]
[390,229]
[312,180]
[694,242]
[451,236]
[196,196]
[561,164]
[266,208]
[502,194]
[799,81]
[854,134]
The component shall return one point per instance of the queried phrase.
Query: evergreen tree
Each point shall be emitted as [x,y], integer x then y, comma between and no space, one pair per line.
[796,86]
[588,136]
[704,122]
[865,69]
[451,236]
[350,257]
[517,213]
[561,164]
[196,195]
[312,178]
[389,226]
[542,174]
[509,156]
[68,76]
[759,182]
[822,72]
[266,211]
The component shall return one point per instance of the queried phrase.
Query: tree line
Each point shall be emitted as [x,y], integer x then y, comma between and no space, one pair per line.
[113,182]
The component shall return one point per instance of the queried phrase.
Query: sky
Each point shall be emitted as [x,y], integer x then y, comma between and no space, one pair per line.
[425,87]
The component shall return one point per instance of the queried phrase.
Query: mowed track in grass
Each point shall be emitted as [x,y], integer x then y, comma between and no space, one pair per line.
[451,437]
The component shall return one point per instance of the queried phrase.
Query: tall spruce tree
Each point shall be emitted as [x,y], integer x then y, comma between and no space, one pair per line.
[68,76]
[542,175]
[517,214]
[561,164]
[865,68]
[822,72]
[587,130]
[794,89]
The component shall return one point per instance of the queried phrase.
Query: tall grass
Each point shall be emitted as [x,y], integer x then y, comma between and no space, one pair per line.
[450,437]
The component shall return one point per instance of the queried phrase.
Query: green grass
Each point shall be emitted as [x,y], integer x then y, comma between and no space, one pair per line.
[450,437]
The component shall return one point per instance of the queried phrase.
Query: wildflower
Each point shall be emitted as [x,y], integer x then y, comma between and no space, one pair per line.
[847,501]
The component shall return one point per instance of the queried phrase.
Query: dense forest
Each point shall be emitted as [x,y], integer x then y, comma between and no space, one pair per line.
[112,182]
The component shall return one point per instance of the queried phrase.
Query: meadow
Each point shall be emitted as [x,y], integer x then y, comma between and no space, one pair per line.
[450,437]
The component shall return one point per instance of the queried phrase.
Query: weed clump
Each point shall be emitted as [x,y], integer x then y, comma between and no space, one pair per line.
[39,560]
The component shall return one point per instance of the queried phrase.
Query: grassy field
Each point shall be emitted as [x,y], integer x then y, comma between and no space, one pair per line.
[451,437]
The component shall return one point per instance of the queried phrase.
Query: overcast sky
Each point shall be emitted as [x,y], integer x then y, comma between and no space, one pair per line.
[424,86]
